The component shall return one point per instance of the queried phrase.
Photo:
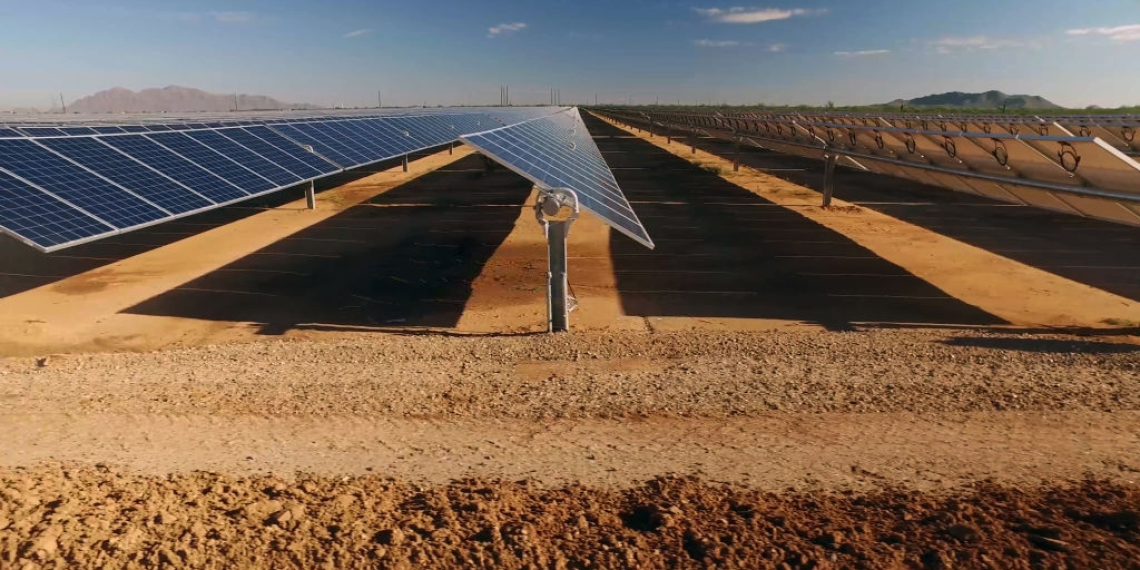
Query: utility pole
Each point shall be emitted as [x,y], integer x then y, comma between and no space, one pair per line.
[236,106]
[379,100]
[62,104]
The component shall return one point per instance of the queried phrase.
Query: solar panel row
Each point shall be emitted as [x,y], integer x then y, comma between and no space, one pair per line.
[65,185]
[1077,175]
[558,152]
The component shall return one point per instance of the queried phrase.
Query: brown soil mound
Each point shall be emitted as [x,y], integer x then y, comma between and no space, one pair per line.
[59,518]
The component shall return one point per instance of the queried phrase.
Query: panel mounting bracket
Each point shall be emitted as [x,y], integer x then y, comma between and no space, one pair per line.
[555,209]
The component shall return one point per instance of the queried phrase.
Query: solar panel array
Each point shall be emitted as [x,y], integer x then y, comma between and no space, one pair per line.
[1083,175]
[65,184]
[557,151]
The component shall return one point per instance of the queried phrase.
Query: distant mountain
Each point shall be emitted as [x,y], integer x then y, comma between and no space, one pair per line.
[174,99]
[987,100]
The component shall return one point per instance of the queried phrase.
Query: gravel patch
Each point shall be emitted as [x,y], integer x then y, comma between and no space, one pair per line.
[594,375]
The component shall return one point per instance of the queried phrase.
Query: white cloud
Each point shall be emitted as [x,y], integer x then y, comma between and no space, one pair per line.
[952,44]
[739,15]
[505,29]
[778,48]
[357,33]
[1128,33]
[862,53]
[232,17]
[716,43]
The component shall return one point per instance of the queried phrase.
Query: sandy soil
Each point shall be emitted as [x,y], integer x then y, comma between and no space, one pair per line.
[777,386]
[53,518]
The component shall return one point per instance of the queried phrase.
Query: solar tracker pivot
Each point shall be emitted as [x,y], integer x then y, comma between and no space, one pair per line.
[556,209]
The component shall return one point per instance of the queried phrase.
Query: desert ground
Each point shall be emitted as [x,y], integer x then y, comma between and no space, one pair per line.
[910,378]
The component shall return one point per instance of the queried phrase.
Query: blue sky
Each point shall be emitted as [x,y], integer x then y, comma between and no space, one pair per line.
[460,51]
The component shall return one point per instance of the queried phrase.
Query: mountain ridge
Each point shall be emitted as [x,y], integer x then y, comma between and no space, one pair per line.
[992,99]
[175,99]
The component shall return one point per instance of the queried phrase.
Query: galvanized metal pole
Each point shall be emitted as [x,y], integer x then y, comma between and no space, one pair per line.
[693,142]
[736,155]
[451,148]
[829,178]
[555,210]
[558,288]
[405,163]
[311,195]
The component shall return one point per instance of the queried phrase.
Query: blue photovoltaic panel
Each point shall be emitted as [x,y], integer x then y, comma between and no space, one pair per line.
[42,219]
[558,152]
[114,166]
[42,131]
[392,137]
[95,195]
[366,146]
[318,144]
[333,138]
[70,183]
[210,160]
[292,148]
[387,145]
[74,131]
[414,128]
[180,169]
[245,157]
[278,156]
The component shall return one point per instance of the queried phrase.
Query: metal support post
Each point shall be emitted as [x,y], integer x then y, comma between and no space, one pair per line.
[736,155]
[669,138]
[555,210]
[405,163]
[451,148]
[693,142]
[311,195]
[829,178]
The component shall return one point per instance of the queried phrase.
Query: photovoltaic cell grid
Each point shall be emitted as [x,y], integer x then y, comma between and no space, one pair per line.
[68,183]
[558,152]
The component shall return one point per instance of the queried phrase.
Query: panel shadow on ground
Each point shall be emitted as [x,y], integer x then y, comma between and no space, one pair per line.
[404,258]
[723,251]
[1100,254]
[23,268]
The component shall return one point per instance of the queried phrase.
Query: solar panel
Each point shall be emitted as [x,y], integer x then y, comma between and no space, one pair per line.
[275,173]
[391,137]
[1022,161]
[287,160]
[43,220]
[76,131]
[213,161]
[70,183]
[177,168]
[75,184]
[130,174]
[367,147]
[558,152]
[291,148]
[323,143]
[42,131]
